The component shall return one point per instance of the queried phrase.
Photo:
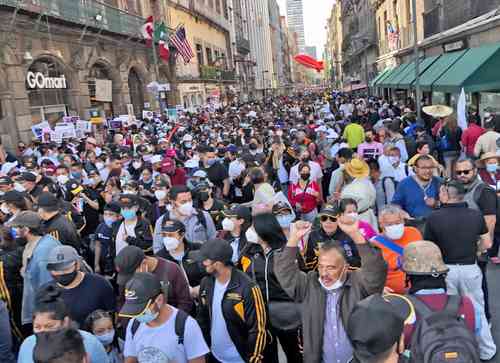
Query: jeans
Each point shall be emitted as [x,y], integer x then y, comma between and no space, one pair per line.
[5,335]
[466,280]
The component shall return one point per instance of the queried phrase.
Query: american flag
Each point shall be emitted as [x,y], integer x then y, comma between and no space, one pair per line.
[180,42]
[393,35]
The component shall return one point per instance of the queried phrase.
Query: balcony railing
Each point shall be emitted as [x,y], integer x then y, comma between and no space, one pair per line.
[243,45]
[215,73]
[90,13]
[228,75]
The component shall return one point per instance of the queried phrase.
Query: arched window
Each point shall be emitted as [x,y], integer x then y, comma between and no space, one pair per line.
[136,90]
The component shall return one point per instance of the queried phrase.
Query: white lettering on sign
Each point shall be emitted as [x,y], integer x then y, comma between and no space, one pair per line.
[38,80]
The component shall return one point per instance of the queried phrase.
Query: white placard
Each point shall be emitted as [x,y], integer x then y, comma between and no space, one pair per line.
[103,90]
[65,131]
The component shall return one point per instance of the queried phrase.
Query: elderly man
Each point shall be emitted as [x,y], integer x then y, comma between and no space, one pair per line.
[333,290]
[394,238]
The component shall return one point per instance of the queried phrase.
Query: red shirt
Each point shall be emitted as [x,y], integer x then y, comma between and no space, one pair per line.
[179,177]
[470,136]
[306,198]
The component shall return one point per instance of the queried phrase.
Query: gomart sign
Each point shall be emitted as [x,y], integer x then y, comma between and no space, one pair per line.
[39,80]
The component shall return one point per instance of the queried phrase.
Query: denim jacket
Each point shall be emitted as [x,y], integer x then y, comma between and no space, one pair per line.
[36,275]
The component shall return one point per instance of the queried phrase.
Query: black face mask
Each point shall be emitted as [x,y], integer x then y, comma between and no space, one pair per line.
[305,159]
[66,279]
[253,146]
[305,176]
[204,196]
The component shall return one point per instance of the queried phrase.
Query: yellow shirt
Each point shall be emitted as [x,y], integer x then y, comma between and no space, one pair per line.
[354,134]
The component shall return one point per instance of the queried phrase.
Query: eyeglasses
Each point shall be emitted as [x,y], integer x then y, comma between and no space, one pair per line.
[463,172]
[328,218]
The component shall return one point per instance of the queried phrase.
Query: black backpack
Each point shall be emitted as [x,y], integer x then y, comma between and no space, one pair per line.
[442,336]
[180,326]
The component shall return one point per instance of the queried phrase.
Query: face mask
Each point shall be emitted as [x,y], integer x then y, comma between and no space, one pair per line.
[227,224]
[491,168]
[186,209]
[354,215]
[99,165]
[109,221]
[305,159]
[393,159]
[147,317]
[211,161]
[253,146]
[251,236]
[336,285]
[19,187]
[171,243]
[188,145]
[76,174]
[129,191]
[285,220]
[395,232]
[106,338]
[204,196]
[160,194]
[66,279]
[62,179]
[136,164]
[4,209]
[305,176]
[128,213]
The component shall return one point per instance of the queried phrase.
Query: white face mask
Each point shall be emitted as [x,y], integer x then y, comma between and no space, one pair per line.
[62,179]
[251,235]
[136,164]
[393,159]
[4,209]
[186,209]
[354,215]
[227,224]
[160,194]
[336,285]
[19,187]
[99,165]
[395,232]
[171,243]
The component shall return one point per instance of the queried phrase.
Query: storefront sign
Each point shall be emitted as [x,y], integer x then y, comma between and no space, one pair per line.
[455,46]
[39,80]
[103,90]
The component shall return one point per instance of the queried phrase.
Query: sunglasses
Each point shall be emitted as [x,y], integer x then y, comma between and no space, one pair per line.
[463,172]
[328,218]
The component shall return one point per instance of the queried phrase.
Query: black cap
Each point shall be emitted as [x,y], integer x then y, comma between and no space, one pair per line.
[29,177]
[139,292]
[172,226]
[385,328]
[47,199]
[216,250]
[281,207]
[73,186]
[12,196]
[331,210]
[128,200]
[127,261]
[238,212]
[113,207]
[5,180]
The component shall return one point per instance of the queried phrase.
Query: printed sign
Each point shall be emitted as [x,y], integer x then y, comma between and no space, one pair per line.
[103,90]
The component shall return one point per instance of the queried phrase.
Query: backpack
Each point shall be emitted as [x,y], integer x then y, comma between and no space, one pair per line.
[441,336]
[180,326]
[199,215]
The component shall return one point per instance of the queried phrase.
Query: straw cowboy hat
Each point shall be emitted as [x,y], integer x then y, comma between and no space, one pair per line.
[488,155]
[357,168]
[438,111]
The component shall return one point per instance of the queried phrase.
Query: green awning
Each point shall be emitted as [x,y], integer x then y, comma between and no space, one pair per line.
[407,81]
[476,71]
[438,68]
[384,76]
[379,76]
[398,77]
[387,81]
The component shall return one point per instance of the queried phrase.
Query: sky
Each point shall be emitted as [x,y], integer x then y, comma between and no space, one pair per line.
[316,13]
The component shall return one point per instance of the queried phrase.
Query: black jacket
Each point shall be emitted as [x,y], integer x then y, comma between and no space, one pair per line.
[260,268]
[143,235]
[62,229]
[244,312]
[190,265]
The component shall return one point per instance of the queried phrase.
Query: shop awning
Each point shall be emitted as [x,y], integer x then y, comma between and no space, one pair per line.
[380,76]
[438,68]
[387,81]
[476,71]
[407,81]
[394,83]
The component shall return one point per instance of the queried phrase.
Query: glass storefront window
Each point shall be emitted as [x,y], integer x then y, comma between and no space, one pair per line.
[438,98]
[489,102]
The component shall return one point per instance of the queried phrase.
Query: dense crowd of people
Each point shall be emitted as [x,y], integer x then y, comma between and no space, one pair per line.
[319,227]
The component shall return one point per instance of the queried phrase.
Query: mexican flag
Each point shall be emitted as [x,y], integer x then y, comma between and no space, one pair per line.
[147,31]
[161,37]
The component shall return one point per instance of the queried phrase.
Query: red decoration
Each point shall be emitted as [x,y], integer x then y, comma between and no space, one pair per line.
[309,62]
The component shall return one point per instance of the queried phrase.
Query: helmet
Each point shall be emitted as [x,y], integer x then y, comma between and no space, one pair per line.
[423,258]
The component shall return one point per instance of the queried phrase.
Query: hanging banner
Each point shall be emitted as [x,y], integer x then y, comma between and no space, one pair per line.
[103,90]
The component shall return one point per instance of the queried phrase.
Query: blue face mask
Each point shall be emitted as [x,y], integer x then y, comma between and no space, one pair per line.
[211,162]
[285,220]
[76,175]
[109,221]
[13,233]
[106,338]
[491,168]
[128,213]
[147,317]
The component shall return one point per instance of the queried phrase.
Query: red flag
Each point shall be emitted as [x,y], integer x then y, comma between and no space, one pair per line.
[147,31]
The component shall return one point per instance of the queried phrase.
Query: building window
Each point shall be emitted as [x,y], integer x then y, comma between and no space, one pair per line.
[385,24]
[209,55]
[217,6]
[224,9]
[217,55]
[199,54]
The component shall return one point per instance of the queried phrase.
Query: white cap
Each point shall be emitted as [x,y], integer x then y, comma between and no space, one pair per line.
[332,134]
[156,159]
[192,163]
[200,174]
[187,137]
[321,129]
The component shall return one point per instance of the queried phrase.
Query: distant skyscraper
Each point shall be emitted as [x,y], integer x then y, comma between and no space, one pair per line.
[295,20]
[311,51]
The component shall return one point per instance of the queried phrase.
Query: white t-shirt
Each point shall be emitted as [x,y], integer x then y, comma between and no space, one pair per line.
[124,231]
[223,347]
[160,344]
[316,172]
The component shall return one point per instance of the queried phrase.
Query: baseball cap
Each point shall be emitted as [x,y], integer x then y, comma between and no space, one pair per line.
[384,330]
[74,187]
[27,176]
[139,291]
[128,200]
[281,207]
[127,261]
[47,199]
[5,180]
[172,226]
[238,212]
[62,257]
[26,219]
[12,196]
[113,207]
[330,210]
[216,250]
